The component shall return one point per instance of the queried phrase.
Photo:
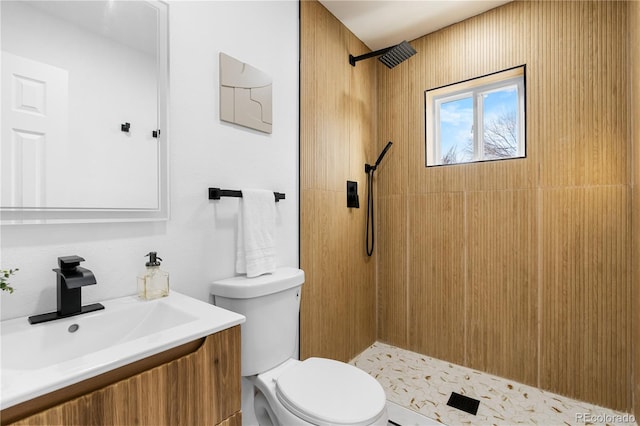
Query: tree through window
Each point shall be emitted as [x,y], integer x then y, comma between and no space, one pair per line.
[476,120]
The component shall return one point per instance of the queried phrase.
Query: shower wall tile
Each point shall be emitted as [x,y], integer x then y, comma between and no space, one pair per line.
[435,288]
[363,112]
[324,81]
[582,112]
[337,135]
[312,151]
[486,304]
[390,250]
[324,287]
[338,297]
[479,46]
[585,341]
[393,125]
[502,281]
[427,74]
[634,40]
[360,278]
[522,268]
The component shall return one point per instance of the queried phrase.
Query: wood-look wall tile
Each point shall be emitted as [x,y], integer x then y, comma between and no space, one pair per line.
[480,46]
[585,302]
[390,248]
[392,127]
[326,78]
[435,288]
[360,275]
[577,125]
[363,113]
[426,73]
[337,135]
[634,80]
[578,119]
[325,306]
[313,172]
[584,122]
[360,279]
[502,281]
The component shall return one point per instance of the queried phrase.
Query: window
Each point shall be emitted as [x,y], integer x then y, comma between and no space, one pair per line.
[480,119]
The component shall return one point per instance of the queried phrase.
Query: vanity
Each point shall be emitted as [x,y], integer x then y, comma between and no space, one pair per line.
[170,361]
[89,144]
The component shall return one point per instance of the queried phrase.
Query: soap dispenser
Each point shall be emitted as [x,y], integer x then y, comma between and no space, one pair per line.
[154,283]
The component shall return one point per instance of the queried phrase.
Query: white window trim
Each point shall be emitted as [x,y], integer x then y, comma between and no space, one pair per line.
[474,88]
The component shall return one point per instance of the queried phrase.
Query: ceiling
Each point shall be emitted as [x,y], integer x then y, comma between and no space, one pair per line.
[132,23]
[383,23]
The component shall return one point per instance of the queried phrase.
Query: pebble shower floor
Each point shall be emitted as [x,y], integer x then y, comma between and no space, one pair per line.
[423,385]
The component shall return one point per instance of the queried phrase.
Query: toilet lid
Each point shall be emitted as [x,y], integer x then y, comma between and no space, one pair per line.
[327,392]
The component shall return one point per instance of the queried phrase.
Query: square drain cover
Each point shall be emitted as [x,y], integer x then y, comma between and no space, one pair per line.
[463,403]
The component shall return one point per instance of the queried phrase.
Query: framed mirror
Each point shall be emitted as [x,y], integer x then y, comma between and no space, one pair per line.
[84,111]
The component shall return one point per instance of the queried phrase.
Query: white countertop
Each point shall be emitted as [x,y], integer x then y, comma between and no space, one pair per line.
[38,359]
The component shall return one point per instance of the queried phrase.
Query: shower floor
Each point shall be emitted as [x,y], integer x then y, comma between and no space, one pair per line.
[423,385]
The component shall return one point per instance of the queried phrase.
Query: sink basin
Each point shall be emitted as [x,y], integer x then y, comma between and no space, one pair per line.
[38,359]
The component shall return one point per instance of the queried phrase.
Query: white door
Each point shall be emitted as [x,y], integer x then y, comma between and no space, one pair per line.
[34,130]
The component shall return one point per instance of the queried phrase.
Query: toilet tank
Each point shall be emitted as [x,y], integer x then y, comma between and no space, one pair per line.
[271,305]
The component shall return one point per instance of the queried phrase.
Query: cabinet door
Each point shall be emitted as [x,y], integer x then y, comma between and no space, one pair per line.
[202,388]
[235,420]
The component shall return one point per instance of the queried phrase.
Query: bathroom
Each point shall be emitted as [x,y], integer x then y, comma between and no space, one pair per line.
[557,311]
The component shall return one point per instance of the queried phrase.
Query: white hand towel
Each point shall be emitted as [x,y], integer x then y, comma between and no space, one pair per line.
[256,247]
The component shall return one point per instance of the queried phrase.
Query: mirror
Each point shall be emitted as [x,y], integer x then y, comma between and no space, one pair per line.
[84,110]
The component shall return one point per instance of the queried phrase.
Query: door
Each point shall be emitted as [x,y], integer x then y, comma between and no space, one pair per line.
[34,131]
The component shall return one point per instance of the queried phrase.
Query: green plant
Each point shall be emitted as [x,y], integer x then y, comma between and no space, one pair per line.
[4,279]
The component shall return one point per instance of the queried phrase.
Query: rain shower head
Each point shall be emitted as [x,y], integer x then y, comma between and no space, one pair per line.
[391,56]
[397,54]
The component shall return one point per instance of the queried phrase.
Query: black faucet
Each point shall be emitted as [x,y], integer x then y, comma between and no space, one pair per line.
[70,280]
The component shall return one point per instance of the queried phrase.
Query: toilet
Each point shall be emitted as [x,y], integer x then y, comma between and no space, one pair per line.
[286,391]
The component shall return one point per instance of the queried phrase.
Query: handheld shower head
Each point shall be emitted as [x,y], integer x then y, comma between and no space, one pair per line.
[369,168]
[391,56]
[384,151]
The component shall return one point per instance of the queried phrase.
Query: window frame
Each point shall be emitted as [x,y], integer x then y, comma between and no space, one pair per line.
[473,88]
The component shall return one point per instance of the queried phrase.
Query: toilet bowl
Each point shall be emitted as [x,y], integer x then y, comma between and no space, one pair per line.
[316,391]
[321,392]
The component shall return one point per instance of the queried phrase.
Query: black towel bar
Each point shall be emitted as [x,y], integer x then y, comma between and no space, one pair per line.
[216,193]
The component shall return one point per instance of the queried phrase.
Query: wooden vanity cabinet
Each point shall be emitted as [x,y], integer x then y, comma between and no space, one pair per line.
[200,388]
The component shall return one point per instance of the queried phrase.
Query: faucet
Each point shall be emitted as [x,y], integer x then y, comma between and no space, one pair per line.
[70,280]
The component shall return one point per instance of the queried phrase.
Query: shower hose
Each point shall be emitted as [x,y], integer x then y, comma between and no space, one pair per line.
[369,171]
[370,213]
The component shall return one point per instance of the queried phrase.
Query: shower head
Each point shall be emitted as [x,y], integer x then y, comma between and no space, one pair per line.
[384,151]
[391,56]
[369,168]
[397,54]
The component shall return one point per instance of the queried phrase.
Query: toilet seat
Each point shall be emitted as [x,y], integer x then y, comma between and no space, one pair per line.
[327,392]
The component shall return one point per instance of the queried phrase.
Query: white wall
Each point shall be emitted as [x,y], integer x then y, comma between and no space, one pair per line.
[198,242]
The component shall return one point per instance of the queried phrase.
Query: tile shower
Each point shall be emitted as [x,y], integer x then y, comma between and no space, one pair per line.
[424,384]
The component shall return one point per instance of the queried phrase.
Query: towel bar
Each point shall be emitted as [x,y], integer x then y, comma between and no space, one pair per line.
[216,193]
